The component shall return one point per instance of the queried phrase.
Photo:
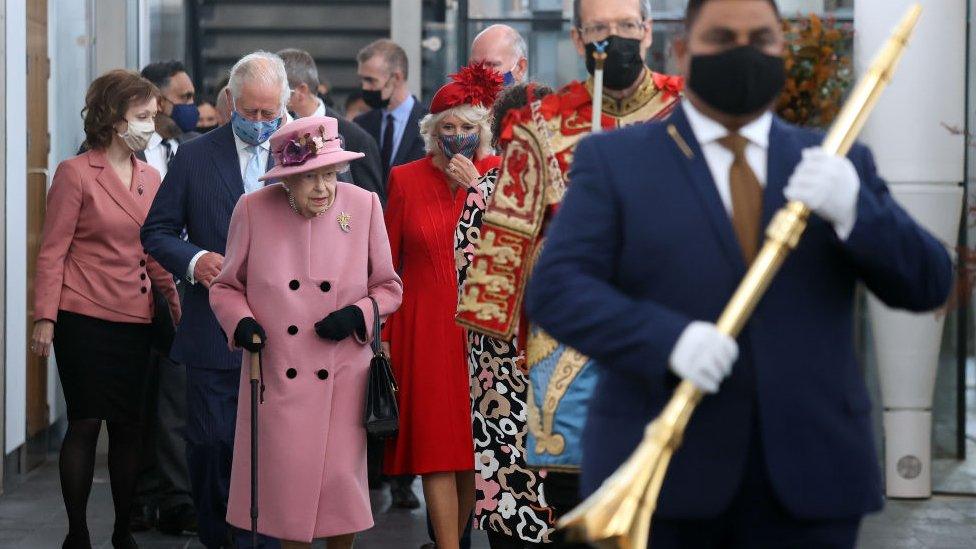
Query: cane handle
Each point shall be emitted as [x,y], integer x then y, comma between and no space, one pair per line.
[256,360]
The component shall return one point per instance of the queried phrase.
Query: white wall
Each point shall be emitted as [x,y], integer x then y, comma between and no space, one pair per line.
[907,131]
[16,219]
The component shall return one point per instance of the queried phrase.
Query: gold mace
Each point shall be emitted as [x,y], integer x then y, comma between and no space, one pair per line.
[618,514]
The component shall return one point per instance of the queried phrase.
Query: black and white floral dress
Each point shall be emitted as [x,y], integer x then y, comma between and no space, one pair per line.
[510,498]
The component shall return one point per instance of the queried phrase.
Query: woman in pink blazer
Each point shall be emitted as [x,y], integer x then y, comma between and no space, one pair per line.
[93,293]
[304,260]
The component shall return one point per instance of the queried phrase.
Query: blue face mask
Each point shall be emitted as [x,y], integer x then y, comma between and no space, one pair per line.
[185,116]
[253,132]
[509,79]
[465,145]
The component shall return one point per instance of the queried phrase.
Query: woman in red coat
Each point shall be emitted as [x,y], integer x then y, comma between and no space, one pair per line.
[427,347]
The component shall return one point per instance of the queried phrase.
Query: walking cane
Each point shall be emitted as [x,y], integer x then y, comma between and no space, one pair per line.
[255,378]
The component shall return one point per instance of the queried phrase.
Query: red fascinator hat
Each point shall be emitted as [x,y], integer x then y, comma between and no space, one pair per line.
[476,84]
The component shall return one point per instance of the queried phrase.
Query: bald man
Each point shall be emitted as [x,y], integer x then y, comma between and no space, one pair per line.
[503,49]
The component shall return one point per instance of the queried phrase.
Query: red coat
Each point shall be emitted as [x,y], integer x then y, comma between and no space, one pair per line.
[427,346]
[91,261]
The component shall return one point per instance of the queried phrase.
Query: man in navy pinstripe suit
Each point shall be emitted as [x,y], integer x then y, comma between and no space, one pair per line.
[205,179]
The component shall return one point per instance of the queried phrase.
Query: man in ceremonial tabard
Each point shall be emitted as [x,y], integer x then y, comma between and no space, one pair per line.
[654,235]
[538,143]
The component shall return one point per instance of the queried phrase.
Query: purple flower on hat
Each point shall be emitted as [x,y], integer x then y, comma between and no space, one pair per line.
[297,151]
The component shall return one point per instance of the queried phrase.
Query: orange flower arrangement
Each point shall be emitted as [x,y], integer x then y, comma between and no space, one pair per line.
[818,70]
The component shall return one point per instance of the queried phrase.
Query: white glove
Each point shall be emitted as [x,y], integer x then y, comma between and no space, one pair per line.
[828,185]
[704,356]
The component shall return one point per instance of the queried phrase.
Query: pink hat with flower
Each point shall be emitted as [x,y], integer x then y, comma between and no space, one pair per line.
[305,145]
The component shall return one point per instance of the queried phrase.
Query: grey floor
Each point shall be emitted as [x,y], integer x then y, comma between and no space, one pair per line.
[32,516]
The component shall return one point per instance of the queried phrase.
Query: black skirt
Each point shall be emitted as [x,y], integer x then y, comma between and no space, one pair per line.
[103,366]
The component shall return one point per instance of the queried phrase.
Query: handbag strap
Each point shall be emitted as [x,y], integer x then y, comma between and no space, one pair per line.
[377,348]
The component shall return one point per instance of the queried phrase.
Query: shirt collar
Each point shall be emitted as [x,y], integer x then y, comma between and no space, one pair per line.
[707,130]
[320,110]
[402,112]
[154,141]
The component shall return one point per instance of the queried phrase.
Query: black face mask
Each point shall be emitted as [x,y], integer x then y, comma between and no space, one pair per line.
[374,98]
[206,129]
[623,64]
[739,81]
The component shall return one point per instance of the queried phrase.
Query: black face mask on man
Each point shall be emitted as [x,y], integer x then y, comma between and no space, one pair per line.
[739,81]
[374,98]
[623,65]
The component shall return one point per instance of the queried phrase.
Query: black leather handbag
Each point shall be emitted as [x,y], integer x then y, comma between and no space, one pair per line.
[382,417]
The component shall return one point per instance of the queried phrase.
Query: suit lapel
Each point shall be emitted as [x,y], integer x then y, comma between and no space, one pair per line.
[784,154]
[410,134]
[227,162]
[116,189]
[701,180]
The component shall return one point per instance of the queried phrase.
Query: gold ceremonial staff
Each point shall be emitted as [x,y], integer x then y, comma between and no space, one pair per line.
[618,515]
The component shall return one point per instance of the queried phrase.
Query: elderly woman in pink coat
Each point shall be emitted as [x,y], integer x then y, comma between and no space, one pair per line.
[304,259]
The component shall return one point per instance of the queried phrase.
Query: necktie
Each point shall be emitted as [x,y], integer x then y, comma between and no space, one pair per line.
[252,170]
[168,150]
[386,152]
[747,197]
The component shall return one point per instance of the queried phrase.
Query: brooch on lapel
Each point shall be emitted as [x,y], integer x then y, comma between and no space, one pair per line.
[344,220]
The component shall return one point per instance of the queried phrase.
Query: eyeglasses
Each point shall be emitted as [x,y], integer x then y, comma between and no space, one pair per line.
[595,32]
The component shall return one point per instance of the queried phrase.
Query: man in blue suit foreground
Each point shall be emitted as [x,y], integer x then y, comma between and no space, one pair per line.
[205,179]
[655,233]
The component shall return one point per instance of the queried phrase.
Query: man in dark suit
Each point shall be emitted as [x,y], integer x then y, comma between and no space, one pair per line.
[394,121]
[657,229]
[204,182]
[163,492]
[303,77]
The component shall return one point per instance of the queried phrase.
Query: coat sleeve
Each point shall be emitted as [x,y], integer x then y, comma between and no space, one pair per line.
[898,260]
[572,294]
[228,293]
[394,228]
[161,233]
[64,202]
[382,284]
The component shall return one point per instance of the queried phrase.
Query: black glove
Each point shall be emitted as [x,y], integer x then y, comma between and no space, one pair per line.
[341,324]
[244,334]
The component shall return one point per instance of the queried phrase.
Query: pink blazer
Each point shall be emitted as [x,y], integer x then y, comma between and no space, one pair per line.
[91,260]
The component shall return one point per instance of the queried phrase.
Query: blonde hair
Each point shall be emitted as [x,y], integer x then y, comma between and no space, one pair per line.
[479,116]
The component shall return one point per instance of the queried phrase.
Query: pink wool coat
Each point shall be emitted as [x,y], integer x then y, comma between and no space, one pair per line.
[289,272]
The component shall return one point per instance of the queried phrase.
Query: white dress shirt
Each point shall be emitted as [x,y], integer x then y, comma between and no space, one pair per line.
[719,159]
[156,153]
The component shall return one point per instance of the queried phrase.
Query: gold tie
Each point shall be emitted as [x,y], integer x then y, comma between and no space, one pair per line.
[747,197]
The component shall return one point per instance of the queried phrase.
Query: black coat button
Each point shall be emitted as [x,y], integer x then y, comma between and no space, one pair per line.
[291,373]
[294,284]
[323,374]
[325,286]
[142,276]
[292,330]
[143,290]
[142,263]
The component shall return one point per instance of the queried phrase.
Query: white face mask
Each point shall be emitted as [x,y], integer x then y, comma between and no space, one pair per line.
[138,133]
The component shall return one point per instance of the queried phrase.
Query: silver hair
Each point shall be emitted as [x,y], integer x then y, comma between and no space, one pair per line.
[519,46]
[472,114]
[645,11]
[259,67]
[301,69]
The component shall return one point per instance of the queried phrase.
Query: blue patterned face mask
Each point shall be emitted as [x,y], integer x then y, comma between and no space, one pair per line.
[465,145]
[250,131]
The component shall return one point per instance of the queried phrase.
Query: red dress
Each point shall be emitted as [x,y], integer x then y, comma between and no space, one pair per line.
[427,347]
